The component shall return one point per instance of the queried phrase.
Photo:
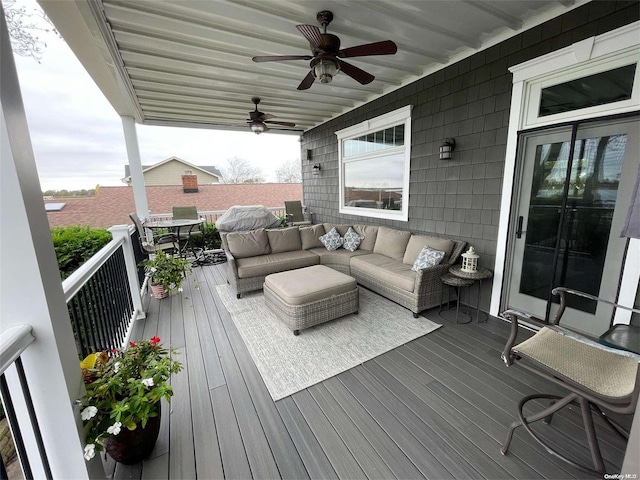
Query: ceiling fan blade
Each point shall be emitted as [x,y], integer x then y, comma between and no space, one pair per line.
[386,47]
[311,33]
[265,116]
[285,124]
[356,73]
[278,58]
[307,81]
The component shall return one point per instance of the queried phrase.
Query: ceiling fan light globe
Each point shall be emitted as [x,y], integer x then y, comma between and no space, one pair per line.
[325,70]
[257,127]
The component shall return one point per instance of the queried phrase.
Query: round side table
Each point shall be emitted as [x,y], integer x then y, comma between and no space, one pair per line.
[457,283]
[479,275]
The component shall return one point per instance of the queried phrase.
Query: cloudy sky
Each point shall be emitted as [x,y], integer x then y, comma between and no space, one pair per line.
[78,140]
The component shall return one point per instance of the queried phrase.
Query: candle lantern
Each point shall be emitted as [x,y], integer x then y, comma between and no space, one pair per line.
[470,261]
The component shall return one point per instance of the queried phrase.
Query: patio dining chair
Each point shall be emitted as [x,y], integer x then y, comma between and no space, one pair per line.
[293,213]
[596,377]
[165,242]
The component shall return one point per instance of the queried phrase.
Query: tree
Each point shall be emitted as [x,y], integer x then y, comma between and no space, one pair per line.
[21,25]
[239,170]
[289,171]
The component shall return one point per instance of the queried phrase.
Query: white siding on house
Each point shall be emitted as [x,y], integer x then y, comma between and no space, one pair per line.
[170,173]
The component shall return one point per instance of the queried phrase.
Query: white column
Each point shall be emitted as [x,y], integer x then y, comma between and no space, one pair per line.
[31,290]
[135,166]
[122,231]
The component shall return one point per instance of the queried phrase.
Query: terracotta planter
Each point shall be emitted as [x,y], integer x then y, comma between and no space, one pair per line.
[133,446]
[158,291]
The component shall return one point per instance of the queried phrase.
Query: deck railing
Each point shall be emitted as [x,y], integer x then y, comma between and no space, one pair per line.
[13,342]
[103,295]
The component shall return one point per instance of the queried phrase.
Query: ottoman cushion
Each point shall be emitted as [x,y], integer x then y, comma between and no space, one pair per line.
[306,285]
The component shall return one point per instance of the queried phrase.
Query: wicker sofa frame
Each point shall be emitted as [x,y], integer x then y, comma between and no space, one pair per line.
[426,294]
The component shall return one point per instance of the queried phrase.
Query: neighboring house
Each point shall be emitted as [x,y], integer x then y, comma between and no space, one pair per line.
[112,205]
[170,171]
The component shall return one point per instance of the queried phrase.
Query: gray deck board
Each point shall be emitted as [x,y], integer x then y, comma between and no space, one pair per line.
[313,457]
[437,407]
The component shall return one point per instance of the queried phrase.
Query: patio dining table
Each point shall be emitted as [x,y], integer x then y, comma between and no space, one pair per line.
[178,226]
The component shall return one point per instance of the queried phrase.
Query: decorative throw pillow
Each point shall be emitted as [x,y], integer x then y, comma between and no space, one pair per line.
[352,240]
[331,240]
[428,257]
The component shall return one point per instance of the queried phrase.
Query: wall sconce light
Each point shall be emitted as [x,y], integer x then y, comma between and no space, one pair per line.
[448,145]
[316,169]
[309,153]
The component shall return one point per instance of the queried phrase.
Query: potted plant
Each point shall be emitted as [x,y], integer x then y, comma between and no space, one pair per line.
[166,273]
[122,402]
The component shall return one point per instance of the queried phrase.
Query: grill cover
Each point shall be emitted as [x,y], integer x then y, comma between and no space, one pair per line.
[241,218]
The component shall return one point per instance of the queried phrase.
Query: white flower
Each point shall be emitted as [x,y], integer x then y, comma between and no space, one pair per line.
[116,367]
[89,451]
[115,428]
[89,412]
[180,289]
[153,269]
[148,382]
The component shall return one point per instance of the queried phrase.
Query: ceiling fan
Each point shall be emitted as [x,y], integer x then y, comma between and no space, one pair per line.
[326,59]
[258,121]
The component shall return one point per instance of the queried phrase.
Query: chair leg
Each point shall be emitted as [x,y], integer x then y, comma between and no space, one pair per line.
[556,404]
[624,434]
[592,440]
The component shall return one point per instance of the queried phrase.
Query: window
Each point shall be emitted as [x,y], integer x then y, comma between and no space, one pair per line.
[374,166]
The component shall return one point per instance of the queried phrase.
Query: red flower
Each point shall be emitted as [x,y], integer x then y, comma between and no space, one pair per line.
[132,344]
[154,340]
[113,350]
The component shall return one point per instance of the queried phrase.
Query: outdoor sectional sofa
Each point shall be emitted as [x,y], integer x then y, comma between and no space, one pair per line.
[382,262]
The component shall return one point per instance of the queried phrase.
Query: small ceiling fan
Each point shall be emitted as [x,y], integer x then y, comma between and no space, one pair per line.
[258,121]
[326,59]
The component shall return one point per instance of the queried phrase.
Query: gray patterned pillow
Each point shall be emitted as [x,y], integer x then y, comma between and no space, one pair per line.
[428,257]
[332,240]
[352,240]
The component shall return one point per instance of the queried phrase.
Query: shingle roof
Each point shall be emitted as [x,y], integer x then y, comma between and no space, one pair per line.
[209,168]
[112,205]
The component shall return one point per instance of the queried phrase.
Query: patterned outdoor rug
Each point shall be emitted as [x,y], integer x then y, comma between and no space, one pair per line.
[290,363]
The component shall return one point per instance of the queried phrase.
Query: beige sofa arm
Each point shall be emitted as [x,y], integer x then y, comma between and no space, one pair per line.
[428,279]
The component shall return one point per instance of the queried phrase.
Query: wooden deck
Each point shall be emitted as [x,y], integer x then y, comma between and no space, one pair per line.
[437,407]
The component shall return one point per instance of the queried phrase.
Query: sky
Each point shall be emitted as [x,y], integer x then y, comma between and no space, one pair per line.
[77,137]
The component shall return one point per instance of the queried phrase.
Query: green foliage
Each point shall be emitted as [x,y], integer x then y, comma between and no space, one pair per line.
[210,240]
[75,245]
[124,387]
[167,270]
[283,220]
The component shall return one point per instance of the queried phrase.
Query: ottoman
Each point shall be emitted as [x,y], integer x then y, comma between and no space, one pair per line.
[308,296]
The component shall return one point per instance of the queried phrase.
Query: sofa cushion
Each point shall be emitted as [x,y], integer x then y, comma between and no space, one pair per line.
[369,232]
[311,284]
[332,239]
[384,269]
[352,240]
[428,257]
[284,239]
[276,262]
[341,227]
[417,242]
[310,236]
[337,257]
[392,243]
[248,244]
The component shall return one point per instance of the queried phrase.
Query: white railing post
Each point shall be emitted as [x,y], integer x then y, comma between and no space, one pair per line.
[122,231]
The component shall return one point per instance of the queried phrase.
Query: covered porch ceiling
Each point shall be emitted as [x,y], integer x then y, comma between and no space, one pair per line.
[188,63]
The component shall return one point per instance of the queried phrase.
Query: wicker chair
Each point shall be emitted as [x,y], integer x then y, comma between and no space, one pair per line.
[596,377]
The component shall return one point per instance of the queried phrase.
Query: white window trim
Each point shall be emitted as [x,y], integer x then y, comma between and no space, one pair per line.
[590,56]
[397,117]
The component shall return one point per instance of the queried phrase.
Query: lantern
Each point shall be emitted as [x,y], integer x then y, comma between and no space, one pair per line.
[470,261]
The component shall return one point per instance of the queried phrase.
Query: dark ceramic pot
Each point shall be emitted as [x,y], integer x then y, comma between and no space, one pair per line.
[133,446]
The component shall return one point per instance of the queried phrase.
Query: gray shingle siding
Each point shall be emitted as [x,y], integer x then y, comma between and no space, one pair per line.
[469,101]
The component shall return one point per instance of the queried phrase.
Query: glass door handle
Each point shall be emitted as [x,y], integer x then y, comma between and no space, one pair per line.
[519,231]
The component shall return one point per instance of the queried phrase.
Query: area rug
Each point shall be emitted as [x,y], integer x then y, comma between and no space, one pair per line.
[290,363]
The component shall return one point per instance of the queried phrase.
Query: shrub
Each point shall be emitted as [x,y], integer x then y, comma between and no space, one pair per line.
[75,245]
[210,240]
